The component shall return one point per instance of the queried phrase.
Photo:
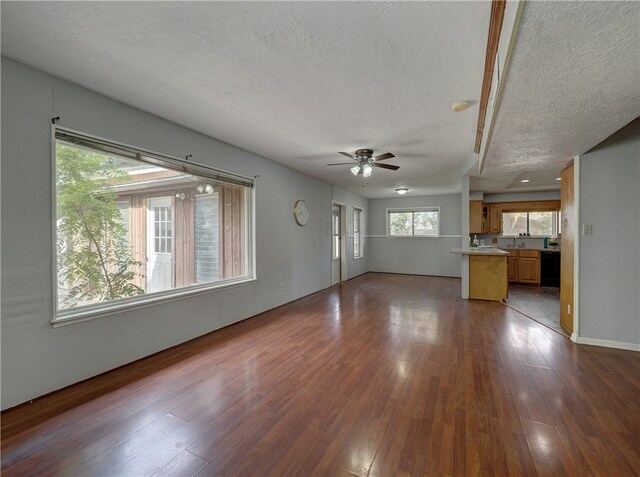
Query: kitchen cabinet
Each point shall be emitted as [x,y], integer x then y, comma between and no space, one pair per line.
[484,218]
[512,266]
[488,278]
[495,218]
[529,266]
[479,217]
[523,266]
[475,217]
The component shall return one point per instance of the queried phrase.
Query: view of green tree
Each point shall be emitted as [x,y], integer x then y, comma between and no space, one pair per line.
[94,260]
[413,223]
[425,223]
[540,223]
[400,223]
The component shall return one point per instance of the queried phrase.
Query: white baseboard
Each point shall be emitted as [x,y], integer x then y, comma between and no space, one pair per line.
[605,343]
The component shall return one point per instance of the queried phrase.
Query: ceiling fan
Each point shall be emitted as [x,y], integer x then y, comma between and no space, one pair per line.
[366,161]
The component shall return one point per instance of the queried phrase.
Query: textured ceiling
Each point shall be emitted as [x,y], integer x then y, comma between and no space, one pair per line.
[544,179]
[573,80]
[294,82]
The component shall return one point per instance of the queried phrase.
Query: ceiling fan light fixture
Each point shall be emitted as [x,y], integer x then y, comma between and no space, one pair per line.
[355,170]
[402,190]
[367,170]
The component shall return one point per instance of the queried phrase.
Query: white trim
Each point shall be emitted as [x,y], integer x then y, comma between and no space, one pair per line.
[576,249]
[412,210]
[54,224]
[343,241]
[344,253]
[605,343]
[464,231]
[360,230]
[77,316]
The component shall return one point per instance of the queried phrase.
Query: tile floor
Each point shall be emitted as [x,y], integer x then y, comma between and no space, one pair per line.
[539,303]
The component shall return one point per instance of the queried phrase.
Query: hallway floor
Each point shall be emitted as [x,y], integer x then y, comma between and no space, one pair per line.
[540,303]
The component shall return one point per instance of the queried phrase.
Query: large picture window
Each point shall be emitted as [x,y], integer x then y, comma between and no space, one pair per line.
[416,222]
[131,226]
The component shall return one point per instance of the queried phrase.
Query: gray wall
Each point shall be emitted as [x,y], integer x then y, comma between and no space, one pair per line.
[37,358]
[421,256]
[356,266]
[610,257]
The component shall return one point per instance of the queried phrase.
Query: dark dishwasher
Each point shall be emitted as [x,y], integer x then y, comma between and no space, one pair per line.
[550,269]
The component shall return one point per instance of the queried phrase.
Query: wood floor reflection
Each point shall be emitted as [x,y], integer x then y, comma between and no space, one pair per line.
[385,375]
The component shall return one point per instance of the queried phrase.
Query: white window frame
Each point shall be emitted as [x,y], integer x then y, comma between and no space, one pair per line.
[389,211]
[359,253]
[555,225]
[90,312]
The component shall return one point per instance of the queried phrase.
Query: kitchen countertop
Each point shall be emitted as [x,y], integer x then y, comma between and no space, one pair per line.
[480,251]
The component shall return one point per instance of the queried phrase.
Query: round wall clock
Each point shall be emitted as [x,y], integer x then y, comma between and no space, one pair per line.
[300,212]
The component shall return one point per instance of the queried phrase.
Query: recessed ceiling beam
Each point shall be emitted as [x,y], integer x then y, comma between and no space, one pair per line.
[495,27]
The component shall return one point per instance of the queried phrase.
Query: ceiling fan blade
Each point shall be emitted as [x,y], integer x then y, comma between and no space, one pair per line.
[386,166]
[348,155]
[341,164]
[383,157]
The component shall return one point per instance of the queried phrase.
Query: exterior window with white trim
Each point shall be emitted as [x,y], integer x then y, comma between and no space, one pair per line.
[537,224]
[130,225]
[414,222]
[335,234]
[357,234]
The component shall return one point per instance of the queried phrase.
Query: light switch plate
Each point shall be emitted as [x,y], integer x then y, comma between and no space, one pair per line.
[587,229]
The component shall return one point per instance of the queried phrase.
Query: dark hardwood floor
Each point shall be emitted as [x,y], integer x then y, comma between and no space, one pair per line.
[385,375]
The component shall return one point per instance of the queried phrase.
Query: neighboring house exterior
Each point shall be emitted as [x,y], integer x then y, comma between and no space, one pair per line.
[186,229]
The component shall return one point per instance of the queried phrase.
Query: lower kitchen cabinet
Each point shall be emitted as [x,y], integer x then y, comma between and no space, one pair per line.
[528,270]
[512,269]
[529,266]
[523,266]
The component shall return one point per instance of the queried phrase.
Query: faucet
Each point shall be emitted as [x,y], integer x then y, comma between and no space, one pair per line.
[514,243]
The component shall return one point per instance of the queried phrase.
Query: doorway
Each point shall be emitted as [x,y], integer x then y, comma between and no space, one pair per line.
[159,244]
[338,243]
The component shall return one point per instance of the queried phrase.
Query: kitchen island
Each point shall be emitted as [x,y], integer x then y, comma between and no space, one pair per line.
[487,273]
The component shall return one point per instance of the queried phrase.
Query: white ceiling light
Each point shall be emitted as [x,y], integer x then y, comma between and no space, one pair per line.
[367,170]
[558,178]
[402,190]
[525,180]
[208,189]
[355,170]
[459,106]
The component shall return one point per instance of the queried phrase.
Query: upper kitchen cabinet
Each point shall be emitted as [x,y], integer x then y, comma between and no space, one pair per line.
[495,218]
[475,217]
